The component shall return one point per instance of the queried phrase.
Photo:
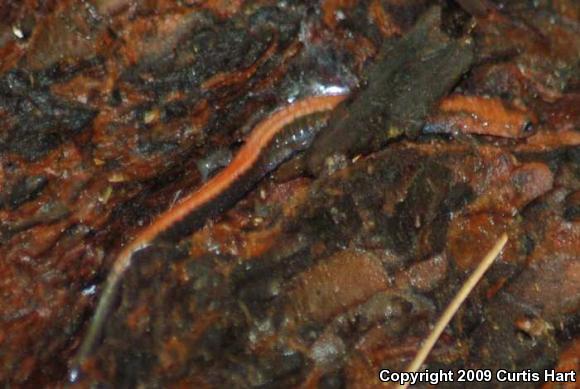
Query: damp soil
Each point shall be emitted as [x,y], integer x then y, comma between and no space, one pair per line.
[462,124]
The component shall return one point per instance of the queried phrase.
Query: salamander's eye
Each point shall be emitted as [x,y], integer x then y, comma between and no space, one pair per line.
[528,127]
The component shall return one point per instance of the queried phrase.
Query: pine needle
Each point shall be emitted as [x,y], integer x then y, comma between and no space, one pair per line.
[454,305]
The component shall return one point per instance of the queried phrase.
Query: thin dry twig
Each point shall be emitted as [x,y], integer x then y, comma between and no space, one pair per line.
[454,305]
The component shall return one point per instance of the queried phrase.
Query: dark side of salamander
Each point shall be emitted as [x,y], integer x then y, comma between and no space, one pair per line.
[410,75]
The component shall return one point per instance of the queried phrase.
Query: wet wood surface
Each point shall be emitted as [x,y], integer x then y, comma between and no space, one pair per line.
[336,264]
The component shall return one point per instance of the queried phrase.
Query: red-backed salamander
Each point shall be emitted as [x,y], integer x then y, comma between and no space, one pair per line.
[271,142]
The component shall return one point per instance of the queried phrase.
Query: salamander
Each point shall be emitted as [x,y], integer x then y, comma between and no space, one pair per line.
[271,142]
